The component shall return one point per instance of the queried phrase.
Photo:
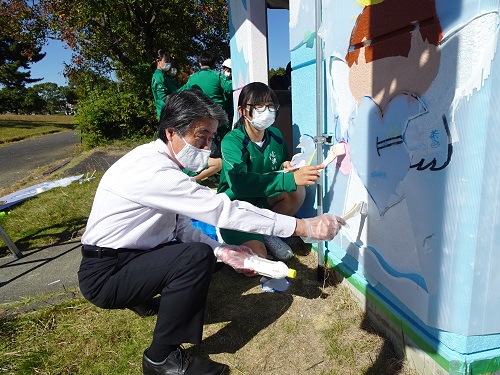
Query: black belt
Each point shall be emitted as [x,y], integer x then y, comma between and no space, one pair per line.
[98,252]
[89,251]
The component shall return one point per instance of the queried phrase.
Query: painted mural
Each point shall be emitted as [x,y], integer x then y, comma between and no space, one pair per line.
[408,89]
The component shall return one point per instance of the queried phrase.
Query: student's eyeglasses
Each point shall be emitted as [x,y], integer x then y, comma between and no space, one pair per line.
[261,107]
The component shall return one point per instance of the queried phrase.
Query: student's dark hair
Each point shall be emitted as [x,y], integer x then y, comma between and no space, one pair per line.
[207,59]
[182,108]
[255,92]
[160,54]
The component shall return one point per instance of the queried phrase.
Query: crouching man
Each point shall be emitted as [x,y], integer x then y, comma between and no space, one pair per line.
[139,242]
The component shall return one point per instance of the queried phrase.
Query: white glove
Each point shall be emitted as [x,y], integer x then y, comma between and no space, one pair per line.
[323,227]
[235,256]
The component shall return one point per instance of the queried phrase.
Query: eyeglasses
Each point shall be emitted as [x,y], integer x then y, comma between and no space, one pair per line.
[261,107]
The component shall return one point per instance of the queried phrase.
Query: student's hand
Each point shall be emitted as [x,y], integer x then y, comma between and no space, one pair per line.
[308,175]
[323,227]
[235,256]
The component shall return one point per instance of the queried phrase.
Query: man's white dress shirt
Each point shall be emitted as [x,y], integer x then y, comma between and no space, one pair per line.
[144,199]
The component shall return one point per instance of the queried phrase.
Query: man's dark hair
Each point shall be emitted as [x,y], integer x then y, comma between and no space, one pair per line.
[207,59]
[182,108]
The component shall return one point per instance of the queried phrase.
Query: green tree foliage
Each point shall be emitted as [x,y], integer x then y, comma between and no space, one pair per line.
[44,98]
[277,72]
[13,58]
[52,95]
[123,113]
[119,40]
[9,100]
[22,34]
[32,102]
[124,35]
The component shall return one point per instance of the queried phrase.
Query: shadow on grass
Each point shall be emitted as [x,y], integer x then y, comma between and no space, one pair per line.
[27,124]
[239,303]
[389,361]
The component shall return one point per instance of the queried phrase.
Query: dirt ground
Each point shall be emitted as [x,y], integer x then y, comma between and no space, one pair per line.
[312,328]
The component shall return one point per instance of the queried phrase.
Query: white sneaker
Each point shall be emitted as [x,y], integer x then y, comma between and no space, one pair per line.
[278,249]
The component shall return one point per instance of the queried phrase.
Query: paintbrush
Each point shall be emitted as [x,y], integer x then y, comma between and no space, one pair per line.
[338,149]
[359,207]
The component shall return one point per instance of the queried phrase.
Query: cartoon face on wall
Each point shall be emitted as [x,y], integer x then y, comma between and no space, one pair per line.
[399,81]
[394,49]
[393,58]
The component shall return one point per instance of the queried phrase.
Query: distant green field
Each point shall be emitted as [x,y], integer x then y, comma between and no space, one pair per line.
[18,127]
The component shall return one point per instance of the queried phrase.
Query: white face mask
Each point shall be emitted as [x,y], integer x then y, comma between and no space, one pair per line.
[227,74]
[166,67]
[192,158]
[262,120]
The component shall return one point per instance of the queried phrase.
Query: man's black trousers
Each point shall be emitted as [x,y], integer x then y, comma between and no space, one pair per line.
[180,272]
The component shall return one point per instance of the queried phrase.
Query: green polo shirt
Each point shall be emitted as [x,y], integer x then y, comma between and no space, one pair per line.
[214,84]
[251,172]
[161,86]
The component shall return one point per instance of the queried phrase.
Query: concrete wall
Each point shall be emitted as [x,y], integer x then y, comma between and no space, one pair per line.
[409,90]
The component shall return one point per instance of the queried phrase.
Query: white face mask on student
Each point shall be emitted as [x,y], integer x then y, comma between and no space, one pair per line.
[263,120]
[192,158]
[166,67]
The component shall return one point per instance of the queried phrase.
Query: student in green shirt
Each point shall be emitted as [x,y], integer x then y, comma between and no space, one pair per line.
[162,84]
[218,87]
[213,83]
[256,168]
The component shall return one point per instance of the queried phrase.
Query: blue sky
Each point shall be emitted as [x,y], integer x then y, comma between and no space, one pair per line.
[51,67]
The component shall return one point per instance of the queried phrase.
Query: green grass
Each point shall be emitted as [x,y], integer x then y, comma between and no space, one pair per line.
[251,331]
[73,337]
[45,219]
[54,216]
[18,127]
[312,328]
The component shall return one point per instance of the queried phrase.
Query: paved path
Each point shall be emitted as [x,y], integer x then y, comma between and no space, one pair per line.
[20,158]
[54,268]
[47,270]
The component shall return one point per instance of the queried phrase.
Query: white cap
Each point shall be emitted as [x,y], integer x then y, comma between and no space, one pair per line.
[227,63]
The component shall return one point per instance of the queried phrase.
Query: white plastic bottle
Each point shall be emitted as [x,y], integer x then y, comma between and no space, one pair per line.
[269,268]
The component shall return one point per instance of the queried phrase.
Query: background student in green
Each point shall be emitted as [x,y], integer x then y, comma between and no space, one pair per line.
[256,168]
[162,84]
[216,85]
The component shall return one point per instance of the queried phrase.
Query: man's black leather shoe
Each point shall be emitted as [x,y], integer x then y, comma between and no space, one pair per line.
[179,363]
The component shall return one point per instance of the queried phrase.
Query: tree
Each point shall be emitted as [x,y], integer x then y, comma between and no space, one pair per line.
[9,100]
[277,72]
[122,36]
[117,41]
[32,102]
[52,95]
[12,58]
[22,35]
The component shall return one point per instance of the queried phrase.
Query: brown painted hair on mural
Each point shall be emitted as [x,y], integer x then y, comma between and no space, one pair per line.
[384,29]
